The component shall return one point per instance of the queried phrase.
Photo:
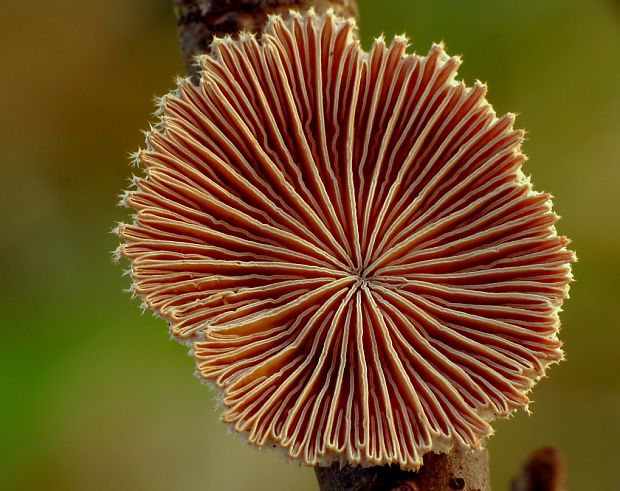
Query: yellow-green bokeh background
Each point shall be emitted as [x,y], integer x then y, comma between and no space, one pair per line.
[94,396]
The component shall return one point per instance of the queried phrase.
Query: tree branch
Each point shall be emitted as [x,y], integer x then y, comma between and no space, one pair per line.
[459,470]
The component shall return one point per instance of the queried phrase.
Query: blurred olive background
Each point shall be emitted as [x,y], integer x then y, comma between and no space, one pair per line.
[94,396]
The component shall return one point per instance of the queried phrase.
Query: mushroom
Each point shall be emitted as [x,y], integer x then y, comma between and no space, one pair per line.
[346,241]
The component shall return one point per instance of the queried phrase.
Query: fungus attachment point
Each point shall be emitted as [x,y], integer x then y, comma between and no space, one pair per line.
[346,241]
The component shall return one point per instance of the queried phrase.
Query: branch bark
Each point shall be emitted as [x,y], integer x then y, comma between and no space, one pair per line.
[461,469]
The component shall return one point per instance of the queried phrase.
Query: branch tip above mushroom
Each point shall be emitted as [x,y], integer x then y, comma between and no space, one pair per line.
[348,244]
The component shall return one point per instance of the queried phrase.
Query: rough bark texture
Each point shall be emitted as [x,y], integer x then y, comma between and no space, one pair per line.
[459,470]
[198,21]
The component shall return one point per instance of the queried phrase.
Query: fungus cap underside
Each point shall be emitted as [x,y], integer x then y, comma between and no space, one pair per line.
[348,244]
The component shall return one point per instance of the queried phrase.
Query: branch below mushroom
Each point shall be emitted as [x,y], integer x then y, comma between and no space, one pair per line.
[460,469]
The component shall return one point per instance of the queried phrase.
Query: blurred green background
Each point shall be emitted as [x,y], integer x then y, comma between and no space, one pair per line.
[94,396]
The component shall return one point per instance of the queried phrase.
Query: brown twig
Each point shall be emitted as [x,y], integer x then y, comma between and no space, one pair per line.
[458,470]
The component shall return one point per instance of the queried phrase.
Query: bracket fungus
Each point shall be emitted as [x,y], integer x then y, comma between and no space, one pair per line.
[347,243]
